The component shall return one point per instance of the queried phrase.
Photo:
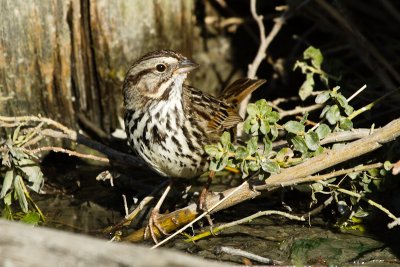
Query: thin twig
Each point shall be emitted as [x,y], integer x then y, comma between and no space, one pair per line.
[299,110]
[265,41]
[248,255]
[67,151]
[356,93]
[334,174]
[244,220]
[48,121]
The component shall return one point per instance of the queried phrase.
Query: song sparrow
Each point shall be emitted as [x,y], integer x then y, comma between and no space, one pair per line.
[167,122]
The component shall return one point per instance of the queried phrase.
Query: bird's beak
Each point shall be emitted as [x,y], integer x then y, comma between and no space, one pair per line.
[186,66]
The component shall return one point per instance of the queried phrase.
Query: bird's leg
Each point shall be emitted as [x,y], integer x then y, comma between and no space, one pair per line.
[153,221]
[204,192]
[203,198]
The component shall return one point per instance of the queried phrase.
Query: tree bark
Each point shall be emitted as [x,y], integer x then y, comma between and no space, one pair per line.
[62,59]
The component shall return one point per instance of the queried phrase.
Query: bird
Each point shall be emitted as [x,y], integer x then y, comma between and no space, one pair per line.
[168,123]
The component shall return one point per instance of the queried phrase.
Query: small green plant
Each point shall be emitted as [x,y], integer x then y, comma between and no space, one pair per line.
[274,144]
[19,171]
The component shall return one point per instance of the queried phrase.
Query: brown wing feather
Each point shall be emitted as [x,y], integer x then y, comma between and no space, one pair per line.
[213,114]
[239,89]
[216,115]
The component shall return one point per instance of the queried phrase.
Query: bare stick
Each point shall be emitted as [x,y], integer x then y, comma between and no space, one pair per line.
[67,151]
[245,254]
[244,220]
[337,173]
[265,41]
[356,93]
[299,110]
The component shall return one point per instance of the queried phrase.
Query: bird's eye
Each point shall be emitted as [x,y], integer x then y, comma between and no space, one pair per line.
[161,67]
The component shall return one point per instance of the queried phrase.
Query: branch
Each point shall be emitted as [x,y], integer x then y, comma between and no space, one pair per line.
[333,157]
[66,151]
[299,110]
[265,41]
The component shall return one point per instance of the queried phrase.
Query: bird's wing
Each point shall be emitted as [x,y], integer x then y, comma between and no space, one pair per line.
[239,89]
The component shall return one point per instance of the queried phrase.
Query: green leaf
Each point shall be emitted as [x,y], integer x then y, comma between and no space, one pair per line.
[211,150]
[333,114]
[299,144]
[273,117]
[317,187]
[264,126]
[345,124]
[226,139]
[244,168]
[252,109]
[270,166]
[322,97]
[254,128]
[35,177]
[16,133]
[324,111]
[284,154]
[315,55]
[31,218]
[341,100]
[319,151]
[348,110]
[312,141]
[267,146]
[7,183]
[263,107]
[307,87]
[274,131]
[252,145]
[294,127]
[304,118]
[373,172]
[219,165]
[241,152]
[387,165]
[324,79]
[8,199]
[302,65]
[20,193]
[253,166]
[322,131]
[247,125]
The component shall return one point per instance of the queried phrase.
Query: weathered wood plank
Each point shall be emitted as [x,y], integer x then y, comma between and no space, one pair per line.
[24,245]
